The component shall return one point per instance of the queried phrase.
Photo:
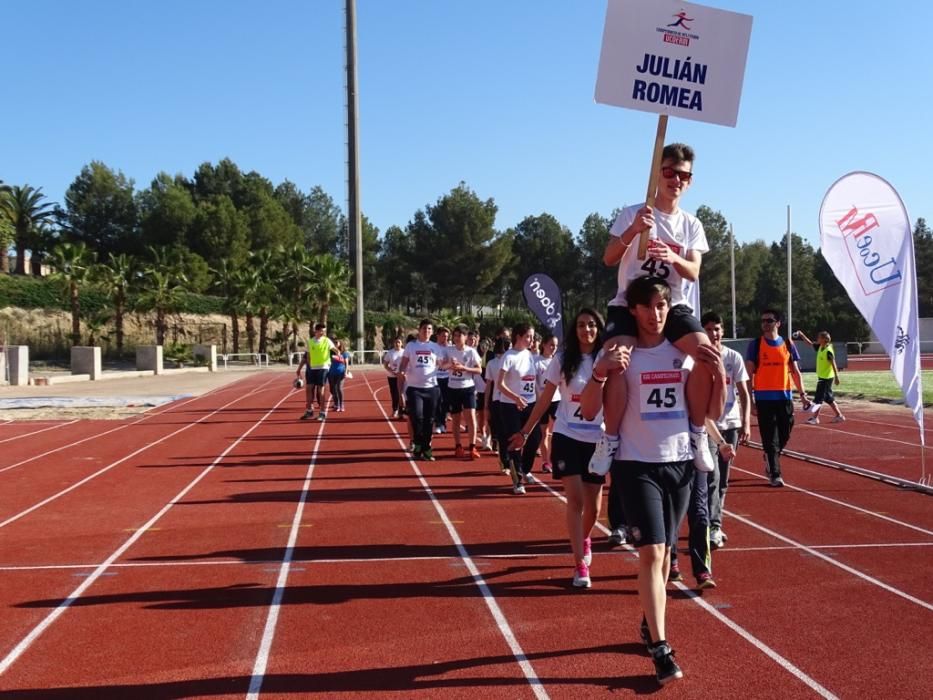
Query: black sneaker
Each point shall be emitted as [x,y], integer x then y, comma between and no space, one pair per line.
[416,452]
[665,667]
[427,454]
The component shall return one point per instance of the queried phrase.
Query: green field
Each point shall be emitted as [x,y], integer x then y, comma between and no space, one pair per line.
[872,385]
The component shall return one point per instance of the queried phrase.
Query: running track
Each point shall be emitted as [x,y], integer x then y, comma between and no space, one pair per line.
[221,548]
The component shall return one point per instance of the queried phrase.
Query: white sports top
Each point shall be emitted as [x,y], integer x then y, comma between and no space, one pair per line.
[735,372]
[392,357]
[468,357]
[541,366]
[492,372]
[569,422]
[421,371]
[681,231]
[656,427]
[520,375]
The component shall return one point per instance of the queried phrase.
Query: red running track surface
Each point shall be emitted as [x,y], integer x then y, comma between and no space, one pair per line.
[222,546]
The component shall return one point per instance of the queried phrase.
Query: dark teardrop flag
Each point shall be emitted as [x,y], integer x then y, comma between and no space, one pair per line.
[543,297]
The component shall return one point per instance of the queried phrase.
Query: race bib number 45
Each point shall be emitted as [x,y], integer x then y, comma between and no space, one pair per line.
[661,395]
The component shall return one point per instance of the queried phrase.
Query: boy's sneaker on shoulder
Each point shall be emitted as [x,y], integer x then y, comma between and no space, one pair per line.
[699,443]
[603,455]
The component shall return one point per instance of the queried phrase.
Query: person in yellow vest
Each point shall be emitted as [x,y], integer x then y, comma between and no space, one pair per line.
[827,376]
[316,362]
[771,362]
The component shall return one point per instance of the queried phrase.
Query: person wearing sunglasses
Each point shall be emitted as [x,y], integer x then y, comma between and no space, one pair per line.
[676,245]
[771,362]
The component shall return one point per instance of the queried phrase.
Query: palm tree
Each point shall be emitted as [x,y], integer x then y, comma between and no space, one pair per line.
[330,286]
[117,278]
[162,286]
[72,263]
[24,210]
[227,284]
[6,229]
[249,283]
[295,283]
[266,264]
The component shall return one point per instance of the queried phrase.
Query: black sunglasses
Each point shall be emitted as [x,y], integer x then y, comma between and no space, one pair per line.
[682,175]
[769,320]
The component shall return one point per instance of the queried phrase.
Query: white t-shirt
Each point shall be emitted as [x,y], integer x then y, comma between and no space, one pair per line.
[681,231]
[392,358]
[520,376]
[421,371]
[443,373]
[468,357]
[656,426]
[735,372]
[541,366]
[479,383]
[492,372]
[569,422]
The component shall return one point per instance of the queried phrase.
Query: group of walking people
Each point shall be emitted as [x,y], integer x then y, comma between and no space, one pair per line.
[651,398]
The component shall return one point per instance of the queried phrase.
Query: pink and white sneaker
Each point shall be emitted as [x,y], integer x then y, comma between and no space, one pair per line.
[581,576]
[588,551]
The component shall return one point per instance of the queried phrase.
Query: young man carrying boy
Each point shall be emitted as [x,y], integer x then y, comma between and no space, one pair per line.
[655,459]
[676,245]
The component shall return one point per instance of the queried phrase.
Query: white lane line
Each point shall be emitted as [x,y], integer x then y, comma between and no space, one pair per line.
[268,634]
[36,432]
[130,424]
[837,502]
[845,567]
[875,438]
[784,663]
[53,497]
[505,630]
[168,563]
[102,568]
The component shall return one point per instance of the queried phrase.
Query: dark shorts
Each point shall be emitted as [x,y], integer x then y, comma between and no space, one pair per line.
[654,497]
[571,457]
[550,413]
[458,399]
[316,377]
[824,391]
[680,322]
[480,400]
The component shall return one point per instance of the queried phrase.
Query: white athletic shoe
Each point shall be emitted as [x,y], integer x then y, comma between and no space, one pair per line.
[839,419]
[603,455]
[518,489]
[702,459]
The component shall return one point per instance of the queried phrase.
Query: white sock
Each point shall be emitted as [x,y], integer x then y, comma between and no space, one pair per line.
[610,438]
[700,429]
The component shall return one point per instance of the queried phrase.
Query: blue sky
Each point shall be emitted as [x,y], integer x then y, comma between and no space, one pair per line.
[495,93]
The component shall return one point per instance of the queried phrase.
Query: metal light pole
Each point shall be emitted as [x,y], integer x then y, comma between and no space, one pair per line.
[732,274]
[354,219]
[790,299]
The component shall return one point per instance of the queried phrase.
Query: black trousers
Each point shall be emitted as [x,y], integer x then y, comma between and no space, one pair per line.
[393,390]
[421,405]
[775,421]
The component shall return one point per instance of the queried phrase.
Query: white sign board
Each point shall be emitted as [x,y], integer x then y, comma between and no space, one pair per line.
[674,58]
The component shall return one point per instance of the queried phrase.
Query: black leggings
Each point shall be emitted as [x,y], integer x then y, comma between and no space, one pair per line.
[335,381]
[512,422]
[393,390]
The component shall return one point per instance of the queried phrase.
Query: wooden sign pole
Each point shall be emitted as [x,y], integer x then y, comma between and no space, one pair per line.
[653,179]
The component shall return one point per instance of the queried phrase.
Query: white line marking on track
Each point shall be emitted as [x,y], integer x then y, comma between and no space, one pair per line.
[110,466]
[837,502]
[101,569]
[36,432]
[830,560]
[735,627]
[504,629]
[106,432]
[261,662]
